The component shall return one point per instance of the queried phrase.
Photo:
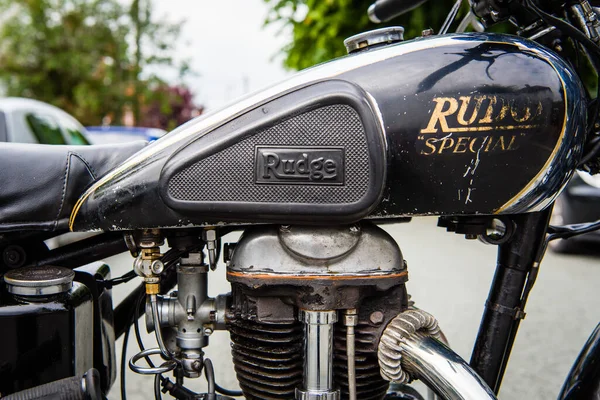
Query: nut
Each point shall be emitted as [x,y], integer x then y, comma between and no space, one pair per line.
[376,317]
[209,235]
[351,320]
[152,288]
[157,267]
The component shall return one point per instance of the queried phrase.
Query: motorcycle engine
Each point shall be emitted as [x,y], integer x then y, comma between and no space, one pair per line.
[306,314]
[298,290]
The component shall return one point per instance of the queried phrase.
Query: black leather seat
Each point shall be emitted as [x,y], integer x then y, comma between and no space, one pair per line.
[39,184]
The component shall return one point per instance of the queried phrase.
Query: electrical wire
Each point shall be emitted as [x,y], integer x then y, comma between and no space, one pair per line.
[158,379]
[228,392]
[108,284]
[157,385]
[568,231]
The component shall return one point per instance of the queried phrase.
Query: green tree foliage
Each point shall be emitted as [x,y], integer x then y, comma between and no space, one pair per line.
[76,54]
[320,26]
[153,42]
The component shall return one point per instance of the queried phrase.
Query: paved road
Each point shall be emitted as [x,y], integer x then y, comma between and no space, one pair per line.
[450,278]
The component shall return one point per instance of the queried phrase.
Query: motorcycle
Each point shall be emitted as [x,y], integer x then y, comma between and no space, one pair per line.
[480,129]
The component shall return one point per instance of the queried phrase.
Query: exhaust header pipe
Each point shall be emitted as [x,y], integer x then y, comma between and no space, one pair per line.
[409,349]
[442,370]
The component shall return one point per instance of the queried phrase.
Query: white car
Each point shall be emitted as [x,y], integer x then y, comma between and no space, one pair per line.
[31,121]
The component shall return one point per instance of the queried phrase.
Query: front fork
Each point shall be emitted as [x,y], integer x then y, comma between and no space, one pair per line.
[517,267]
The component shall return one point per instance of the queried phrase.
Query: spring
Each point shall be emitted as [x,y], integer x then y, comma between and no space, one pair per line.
[369,383]
[267,358]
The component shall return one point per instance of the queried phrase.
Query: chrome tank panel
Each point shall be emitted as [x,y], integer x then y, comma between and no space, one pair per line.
[455,125]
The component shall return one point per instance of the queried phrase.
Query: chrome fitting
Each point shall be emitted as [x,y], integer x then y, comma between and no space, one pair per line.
[305,395]
[318,317]
[209,235]
[318,355]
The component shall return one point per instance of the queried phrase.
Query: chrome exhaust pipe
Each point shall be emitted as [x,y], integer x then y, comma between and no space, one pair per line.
[442,370]
[409,349]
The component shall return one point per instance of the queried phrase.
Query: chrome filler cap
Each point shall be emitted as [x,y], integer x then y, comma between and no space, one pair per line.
[377,37]
[39,281]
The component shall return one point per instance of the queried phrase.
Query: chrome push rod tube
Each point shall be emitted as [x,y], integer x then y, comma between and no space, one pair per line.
[351,320]
[318,356]
[442,370]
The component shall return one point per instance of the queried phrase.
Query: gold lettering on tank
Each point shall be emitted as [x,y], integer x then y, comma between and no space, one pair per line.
[477,123]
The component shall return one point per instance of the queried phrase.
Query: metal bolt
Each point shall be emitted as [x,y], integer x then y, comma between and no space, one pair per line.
[12,256]
[208,331]
[157,267]
[376,317]
[197,365]
[427,32]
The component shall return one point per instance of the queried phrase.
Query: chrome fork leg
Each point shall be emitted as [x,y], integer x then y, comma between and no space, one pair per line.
[318,356]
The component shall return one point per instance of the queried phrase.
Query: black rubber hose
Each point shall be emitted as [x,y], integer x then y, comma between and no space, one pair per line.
[85,387]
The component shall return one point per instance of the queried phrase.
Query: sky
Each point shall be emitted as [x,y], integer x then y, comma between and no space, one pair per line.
[228,47]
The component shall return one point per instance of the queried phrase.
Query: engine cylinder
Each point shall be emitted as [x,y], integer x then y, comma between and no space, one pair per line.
[267,358]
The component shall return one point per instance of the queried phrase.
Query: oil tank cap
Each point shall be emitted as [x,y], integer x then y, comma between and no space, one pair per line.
[39,281]
[377,37]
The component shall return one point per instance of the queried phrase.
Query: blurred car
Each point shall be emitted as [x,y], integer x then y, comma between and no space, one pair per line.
[31,121]
[122,134]
[578,203]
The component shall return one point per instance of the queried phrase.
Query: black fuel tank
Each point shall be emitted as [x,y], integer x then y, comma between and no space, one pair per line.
[451,125]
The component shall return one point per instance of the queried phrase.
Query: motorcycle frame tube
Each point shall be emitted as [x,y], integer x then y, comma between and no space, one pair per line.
[501,319]
[84,251]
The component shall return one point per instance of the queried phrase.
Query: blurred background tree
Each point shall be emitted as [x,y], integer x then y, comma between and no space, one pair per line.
[167,107]
[92,58]
[320,26]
